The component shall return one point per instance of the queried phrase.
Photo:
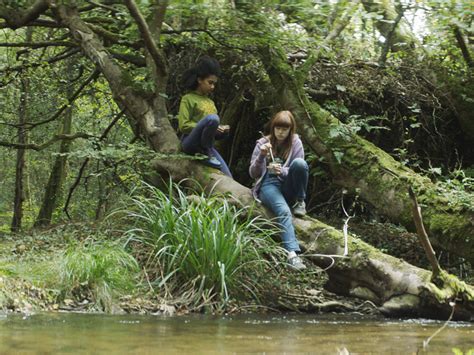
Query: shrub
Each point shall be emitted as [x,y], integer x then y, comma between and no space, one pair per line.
[202,247]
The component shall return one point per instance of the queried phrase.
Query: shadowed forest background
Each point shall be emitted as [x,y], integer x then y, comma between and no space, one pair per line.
[383,94]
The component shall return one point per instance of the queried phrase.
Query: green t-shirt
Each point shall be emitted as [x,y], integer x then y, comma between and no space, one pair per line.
[192,109]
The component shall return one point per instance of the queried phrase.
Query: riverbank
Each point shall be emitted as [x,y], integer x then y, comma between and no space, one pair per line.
[30,282]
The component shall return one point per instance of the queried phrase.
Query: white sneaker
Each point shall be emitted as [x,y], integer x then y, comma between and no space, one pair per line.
[296,263]
[299,209]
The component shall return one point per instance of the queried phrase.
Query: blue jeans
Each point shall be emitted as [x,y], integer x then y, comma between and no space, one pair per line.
[277,195]
[201,140]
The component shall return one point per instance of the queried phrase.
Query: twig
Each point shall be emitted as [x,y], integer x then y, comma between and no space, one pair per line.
[55,138]
[148,280]
[425,241]
[38,44]
[150,44]
[427,341]
[346,226]
[271,152]
[64,55]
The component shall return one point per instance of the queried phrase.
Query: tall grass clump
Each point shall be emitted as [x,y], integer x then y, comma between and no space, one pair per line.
[199,246]
[101,268]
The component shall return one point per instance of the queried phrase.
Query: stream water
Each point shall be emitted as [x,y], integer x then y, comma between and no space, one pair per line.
[67,333]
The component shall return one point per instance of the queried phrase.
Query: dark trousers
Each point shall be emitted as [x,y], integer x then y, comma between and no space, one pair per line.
[201,140]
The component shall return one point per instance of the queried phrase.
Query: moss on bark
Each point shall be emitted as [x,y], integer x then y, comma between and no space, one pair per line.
[358,164]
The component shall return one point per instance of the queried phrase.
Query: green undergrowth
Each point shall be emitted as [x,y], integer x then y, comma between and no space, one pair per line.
[202,249]
[175,247]
[104,268]
[64,263]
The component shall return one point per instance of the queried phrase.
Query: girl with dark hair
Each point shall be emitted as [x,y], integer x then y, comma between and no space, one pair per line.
[279,186]
[199,123]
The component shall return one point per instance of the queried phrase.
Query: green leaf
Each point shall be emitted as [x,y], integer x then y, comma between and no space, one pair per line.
[338,155]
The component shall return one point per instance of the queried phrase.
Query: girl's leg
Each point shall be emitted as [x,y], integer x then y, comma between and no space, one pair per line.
[296,182]
[272,197]
[224,168]
[201,138]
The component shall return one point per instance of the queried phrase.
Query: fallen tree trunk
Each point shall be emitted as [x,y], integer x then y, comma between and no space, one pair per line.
[396,287]
[355,163]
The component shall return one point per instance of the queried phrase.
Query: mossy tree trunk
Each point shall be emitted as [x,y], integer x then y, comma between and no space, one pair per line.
[357,164]
[396,287]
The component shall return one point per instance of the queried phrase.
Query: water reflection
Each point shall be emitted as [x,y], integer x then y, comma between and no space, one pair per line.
[82,333]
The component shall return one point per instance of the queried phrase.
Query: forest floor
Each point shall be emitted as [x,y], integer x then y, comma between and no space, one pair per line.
[28,284]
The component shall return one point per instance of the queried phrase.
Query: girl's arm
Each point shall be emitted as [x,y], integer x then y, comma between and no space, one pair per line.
[186,125]
[257,163]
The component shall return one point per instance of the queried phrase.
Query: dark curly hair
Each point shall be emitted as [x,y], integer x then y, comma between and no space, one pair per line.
[205,66]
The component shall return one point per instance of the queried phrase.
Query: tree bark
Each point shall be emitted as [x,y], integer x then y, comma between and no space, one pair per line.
[20,154]
[463,47]
[355,163]
[58,172]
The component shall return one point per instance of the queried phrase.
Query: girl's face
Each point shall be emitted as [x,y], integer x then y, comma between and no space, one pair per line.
[206,85]
[281,133]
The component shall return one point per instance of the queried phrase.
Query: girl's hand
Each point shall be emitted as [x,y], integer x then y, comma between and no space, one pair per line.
[265,149]
[223,128]
[274,168]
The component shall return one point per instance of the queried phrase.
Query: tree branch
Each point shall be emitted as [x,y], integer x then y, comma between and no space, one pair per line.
[462,45]
[38,147]
[39,44]
[16,19]
[423,237]
[62,56]
[36,23]
[155,126]
[209,33]
[150,44]
[389,38]
[341,23]
[139,61]
[105,7]
[114,37]
[159,9]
